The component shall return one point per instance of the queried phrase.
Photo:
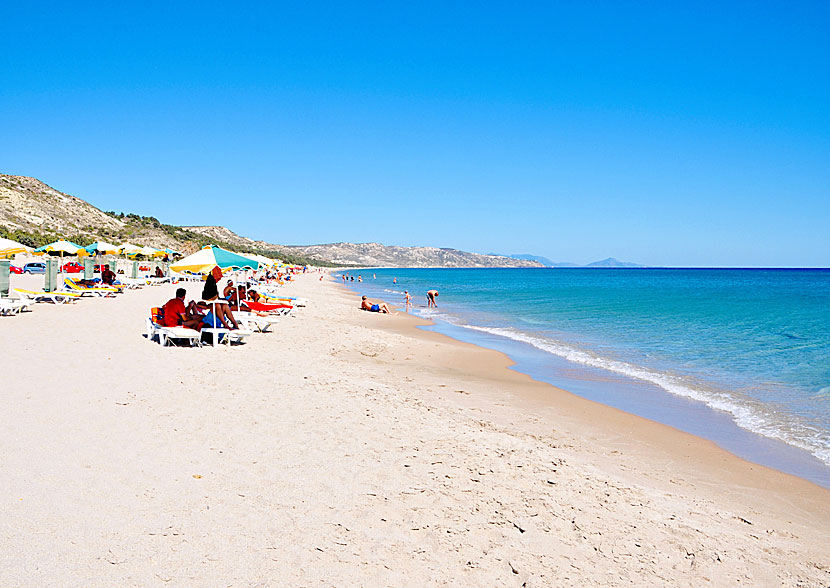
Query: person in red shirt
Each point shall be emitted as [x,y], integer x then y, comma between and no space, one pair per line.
[177,314]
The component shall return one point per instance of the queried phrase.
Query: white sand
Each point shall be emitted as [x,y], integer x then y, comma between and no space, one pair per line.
[332,452]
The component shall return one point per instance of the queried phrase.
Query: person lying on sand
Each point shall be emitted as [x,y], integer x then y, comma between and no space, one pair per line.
[381,307]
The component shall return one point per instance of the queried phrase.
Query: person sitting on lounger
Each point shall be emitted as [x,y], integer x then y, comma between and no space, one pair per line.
[223,310]
[211,291]
[381,307]
[107,275]
[176,314]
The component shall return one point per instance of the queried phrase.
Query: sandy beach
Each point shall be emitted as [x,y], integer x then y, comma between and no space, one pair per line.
[352,449]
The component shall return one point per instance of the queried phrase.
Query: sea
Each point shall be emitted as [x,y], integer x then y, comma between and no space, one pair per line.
[737,356]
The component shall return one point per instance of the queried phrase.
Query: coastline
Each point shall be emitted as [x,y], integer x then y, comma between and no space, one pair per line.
[749,426]
[352,448]
[614,428]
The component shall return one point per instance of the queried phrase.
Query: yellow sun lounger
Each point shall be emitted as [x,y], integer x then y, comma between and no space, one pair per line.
[100,291]
[43,296]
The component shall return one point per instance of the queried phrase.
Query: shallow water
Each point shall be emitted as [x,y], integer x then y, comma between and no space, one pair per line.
[741,357]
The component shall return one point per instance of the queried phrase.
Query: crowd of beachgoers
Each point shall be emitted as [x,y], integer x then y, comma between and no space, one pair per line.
[246,301]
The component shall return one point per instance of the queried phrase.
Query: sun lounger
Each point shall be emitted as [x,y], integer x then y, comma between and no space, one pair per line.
[99,291]
[277,309]
[58,297]
[254,322]
[168,334]
[220,334]
[13,306]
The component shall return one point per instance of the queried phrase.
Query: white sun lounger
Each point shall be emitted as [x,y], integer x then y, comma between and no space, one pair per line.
[255,322]
[13,306]
[166,334]
[220,333]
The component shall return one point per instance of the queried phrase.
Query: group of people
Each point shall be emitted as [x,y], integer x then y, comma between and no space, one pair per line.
[382,307]
[215,310]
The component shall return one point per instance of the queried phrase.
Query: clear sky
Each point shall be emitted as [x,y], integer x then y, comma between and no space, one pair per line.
[663,133]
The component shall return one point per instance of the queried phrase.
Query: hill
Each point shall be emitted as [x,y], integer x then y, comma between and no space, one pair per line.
[377,254]
[35,214]
[611,262]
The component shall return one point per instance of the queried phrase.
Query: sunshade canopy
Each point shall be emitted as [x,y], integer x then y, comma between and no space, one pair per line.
[151,252]
[129,249]
[102,247]
[9,247]
[62,248]
[262,259]
[212,256]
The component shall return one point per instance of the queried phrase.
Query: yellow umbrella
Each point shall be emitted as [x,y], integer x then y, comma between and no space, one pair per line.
[151,252]
[129,249]
[9,248]
[103,248]
[62,247]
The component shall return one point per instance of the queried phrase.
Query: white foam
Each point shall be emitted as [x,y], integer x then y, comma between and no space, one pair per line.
[752,417]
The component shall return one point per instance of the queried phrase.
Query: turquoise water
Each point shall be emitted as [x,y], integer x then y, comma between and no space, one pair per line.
[751,344]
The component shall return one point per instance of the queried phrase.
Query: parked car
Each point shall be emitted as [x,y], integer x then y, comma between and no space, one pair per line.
[36,267]
[15,270]
[72,267]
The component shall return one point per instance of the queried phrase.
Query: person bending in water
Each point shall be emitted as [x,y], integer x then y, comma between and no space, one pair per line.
[367,304]
[431,296]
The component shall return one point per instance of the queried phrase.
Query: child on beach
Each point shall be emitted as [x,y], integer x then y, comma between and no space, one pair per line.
[407,299]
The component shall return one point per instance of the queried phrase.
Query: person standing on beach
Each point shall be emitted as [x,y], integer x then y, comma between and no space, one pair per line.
[407,299]
[431,296]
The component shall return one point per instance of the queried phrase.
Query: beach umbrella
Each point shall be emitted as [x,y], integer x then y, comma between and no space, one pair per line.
[169,251]
[102,248]
[129,249]
[212,256]
[9,247]
[261,259]
[62,248]
[151,252]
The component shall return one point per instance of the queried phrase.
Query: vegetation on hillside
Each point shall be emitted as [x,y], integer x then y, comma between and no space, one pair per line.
[136,224]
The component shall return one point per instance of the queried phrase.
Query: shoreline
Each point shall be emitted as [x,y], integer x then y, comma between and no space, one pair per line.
[646,398]
[667,442]
[352,448]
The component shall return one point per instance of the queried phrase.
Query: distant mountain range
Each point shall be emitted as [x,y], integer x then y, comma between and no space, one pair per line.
[608,262]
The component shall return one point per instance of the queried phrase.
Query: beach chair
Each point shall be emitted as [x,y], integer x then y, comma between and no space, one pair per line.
[254,322]
[275,309]
[221,334]
[168,334]
[57,297]
[9,306]
[101,292]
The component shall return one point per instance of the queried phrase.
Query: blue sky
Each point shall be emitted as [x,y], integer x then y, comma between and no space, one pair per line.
[662,133]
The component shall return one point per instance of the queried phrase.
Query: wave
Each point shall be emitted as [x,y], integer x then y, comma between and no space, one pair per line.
[748,415]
